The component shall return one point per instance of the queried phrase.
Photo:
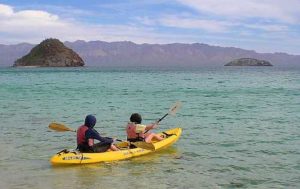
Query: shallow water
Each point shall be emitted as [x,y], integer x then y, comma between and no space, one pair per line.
[240,126]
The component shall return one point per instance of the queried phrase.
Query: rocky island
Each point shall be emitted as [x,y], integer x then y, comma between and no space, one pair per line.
[50,53]
[248,62]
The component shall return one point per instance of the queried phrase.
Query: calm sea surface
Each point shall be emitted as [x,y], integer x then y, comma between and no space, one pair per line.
[241,126]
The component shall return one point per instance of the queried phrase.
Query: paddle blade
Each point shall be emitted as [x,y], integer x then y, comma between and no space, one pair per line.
[175,108]
[144,145]
[59,127]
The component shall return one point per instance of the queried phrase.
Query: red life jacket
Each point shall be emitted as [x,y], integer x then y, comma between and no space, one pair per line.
[81,135]
[131,132]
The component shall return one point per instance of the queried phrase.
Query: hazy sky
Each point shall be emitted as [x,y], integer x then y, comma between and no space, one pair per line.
[261,25]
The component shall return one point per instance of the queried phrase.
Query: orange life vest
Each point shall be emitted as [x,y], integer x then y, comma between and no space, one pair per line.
[132,133]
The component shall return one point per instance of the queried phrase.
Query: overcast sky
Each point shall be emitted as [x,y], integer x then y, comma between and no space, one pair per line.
[260,25]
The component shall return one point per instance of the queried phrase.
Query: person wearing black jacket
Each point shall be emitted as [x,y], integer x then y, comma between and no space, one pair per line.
[86,134]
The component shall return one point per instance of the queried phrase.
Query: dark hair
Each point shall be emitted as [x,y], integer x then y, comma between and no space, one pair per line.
[90,121]
[136,118]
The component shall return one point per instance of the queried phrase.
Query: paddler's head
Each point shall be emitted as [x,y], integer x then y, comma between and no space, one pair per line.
[90,121]
[136,118]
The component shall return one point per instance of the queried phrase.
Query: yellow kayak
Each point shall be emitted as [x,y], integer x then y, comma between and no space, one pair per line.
[76,157]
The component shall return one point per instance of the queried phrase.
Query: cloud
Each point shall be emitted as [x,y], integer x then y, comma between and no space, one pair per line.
[32,18]
[31,22]
[210,26]
[279,10]
[211,23]
[268,27]
[5,10]
[192,23]
[36,25]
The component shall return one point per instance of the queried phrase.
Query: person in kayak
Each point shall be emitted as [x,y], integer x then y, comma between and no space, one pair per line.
[86,135]
[138,132]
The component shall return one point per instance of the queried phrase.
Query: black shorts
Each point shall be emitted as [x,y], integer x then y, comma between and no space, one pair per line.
[96,148]
[136,139]
[100,147]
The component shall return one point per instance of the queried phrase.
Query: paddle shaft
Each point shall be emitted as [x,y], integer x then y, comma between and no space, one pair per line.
[110,137]
[120,140]
[172,110]
[162,117]
[158,121]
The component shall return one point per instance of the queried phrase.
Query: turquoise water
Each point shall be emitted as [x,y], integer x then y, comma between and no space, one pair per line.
[240,126]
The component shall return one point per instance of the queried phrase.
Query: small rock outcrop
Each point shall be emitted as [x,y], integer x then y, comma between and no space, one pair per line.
[248,62]
[50,53]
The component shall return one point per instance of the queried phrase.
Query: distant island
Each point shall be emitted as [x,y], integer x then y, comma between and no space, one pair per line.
[50,53]
[248,62]
[129,54]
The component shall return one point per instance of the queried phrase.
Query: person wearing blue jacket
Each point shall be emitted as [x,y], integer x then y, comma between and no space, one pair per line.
[86,134]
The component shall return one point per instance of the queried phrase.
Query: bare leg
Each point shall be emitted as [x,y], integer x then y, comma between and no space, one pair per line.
[153,136]
[114,148]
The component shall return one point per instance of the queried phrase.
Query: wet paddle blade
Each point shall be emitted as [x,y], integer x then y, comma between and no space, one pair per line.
[144,145]
[59,127]
[174,108]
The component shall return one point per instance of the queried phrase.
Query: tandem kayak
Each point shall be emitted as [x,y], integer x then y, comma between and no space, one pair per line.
[76,157]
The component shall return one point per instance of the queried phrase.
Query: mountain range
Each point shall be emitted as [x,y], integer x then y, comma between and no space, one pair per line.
[126,53]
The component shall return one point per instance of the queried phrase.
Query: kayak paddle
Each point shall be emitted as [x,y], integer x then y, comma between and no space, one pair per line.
[172,110]
[59,127]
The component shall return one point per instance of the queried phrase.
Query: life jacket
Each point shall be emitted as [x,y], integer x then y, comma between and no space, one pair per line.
[81,135]
[133,133]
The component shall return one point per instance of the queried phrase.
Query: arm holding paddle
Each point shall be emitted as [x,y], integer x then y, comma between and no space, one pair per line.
[135,133]
[172,111]
[151,126]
